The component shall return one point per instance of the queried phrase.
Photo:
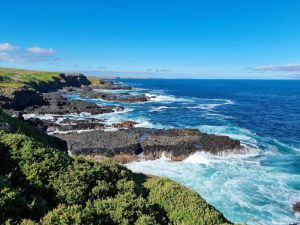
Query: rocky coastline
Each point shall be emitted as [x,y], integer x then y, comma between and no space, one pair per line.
[92,137]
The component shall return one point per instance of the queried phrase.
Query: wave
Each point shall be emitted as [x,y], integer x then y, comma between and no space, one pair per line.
[243,183]
[42,117]
[160,108]
[209,104]
[166,98]
[233,132]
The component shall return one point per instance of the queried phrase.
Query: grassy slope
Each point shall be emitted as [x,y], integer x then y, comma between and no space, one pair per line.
[18,126]
[18,77]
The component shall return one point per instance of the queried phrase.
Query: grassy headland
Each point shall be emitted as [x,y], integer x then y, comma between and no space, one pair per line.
[41,184]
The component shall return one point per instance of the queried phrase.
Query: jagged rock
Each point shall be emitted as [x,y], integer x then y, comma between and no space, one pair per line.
[107,144]
[80,125]
[114,97]
[20,98]
[56,104]
[125,124]
[38,123]
[5,126]
[177,144]
[296,207]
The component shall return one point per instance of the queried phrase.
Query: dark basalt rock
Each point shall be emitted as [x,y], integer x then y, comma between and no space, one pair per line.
[177,144]
[109,84]
[114,97]
[5,126]
[20,99]
[79,125]
[38,123]
[296,207]
[125,124]
[30,93]
[56,104]
[64,80]
[107,144]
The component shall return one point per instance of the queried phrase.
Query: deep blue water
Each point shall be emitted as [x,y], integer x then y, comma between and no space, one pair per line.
[264,115]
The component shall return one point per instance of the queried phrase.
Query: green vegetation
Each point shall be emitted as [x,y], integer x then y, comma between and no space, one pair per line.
[162,192]
[16,78]
[43,185]
[97,82]
[22,127]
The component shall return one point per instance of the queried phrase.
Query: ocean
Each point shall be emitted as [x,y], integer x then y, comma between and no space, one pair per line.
[259,187]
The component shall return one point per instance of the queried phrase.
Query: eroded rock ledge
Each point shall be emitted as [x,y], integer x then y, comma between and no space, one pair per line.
[126,145]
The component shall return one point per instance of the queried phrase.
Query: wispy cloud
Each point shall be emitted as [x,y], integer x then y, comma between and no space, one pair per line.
[41,51]
[13,54]
[159,70]
[7,47]
[279,68]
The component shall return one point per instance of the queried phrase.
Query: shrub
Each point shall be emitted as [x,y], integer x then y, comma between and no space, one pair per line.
[64,215]
[37,163]
[87,180]
[182,205]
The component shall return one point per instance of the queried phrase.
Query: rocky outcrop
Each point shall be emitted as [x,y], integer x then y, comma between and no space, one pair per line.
[114,97]
[296,207]
[19,98]
[177,144]
[98,83]
[125,124]
[63,80]
[5,126]
[58,105]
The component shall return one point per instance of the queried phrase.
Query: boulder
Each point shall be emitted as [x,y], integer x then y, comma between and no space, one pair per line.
[296,207]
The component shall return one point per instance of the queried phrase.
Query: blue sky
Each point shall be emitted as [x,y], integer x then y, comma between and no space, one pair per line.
[205,39]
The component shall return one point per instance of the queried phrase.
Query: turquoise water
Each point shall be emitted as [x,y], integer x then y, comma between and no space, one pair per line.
[258,187]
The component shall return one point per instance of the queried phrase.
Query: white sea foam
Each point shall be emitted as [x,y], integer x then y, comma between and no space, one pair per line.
[243,183]
[160,108]
[42,117]
[166,98]
[231,131]
[209,104]
[200,157]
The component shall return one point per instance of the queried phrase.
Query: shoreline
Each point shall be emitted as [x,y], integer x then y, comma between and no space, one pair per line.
[75,121]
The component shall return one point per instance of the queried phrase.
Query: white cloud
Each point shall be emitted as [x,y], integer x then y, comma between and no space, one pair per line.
[7,47]
[41,51]
[279,68]
[12,54]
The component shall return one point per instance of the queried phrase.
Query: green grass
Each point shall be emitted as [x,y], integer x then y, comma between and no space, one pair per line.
[20,75]
[16,78]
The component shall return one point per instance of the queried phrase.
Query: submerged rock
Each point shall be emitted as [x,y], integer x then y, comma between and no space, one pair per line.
[296,207]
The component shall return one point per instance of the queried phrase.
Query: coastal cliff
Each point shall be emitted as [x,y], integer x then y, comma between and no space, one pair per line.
[40,183]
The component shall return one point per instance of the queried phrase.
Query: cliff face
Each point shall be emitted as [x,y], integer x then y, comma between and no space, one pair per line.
[19,98]
[63,80]
[21,94]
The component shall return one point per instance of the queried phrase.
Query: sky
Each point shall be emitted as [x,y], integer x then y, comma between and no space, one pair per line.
[154,38]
